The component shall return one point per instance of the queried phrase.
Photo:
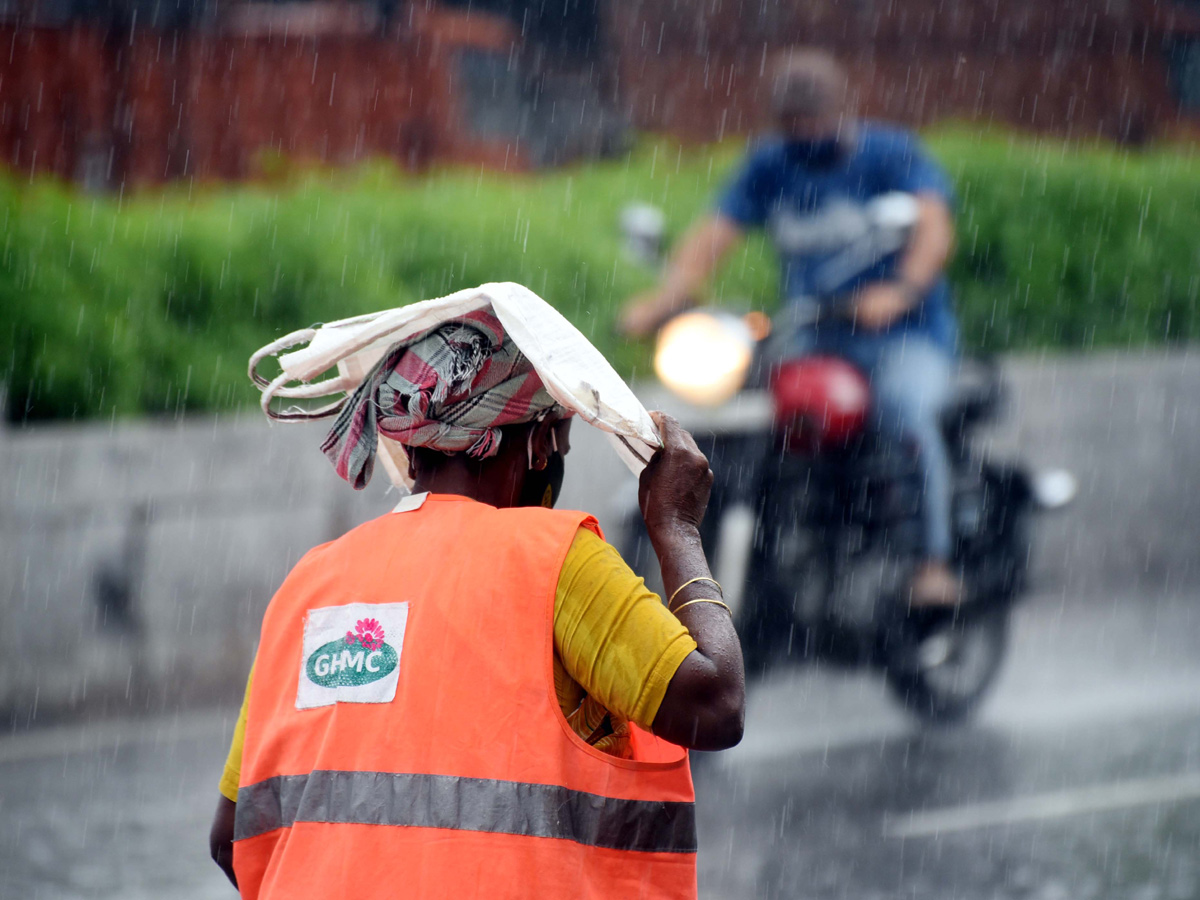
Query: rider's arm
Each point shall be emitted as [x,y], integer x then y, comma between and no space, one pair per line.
[930,245]
[743,204]
[697,256]
[881,303]
[906,165]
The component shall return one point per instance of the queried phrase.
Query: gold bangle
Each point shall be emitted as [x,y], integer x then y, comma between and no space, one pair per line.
[721,603]
[693,581]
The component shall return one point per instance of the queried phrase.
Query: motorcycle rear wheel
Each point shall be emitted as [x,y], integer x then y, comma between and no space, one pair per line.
[946,660]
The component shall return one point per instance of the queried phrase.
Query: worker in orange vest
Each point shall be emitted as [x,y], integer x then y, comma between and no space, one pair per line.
[473,696]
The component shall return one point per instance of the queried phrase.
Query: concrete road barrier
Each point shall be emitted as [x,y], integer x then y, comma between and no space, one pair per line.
[136,560]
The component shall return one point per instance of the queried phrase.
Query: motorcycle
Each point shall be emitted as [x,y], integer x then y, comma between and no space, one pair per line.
[831,512]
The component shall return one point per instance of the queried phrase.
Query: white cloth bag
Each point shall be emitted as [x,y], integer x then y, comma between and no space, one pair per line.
[573,371]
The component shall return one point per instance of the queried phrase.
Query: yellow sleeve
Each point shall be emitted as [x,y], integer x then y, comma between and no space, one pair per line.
[613,635]
[233,762]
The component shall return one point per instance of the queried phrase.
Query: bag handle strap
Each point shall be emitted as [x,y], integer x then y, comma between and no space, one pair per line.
[303,336]
[280,386]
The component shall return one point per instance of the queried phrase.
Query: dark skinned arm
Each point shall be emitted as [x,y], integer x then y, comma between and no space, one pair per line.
[220,837]
[704,706]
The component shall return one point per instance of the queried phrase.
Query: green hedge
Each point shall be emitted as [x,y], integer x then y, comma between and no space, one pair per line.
[152,303]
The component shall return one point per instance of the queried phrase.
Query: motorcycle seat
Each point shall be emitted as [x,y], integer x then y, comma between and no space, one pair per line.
[978,394]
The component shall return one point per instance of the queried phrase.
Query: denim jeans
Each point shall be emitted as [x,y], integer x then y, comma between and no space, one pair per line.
[911,380]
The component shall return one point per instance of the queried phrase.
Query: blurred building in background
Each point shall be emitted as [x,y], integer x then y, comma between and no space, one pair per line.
[1125,70]
[124,92]
[110,92]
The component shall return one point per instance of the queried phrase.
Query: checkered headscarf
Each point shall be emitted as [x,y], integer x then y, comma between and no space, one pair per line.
[450,388]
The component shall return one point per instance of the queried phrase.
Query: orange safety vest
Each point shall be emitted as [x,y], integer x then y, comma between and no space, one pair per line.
[404,739]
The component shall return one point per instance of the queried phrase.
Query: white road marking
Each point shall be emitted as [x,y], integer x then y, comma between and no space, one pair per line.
[1055,805]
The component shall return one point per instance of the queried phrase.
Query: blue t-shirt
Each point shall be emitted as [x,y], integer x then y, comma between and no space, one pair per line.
[819,217]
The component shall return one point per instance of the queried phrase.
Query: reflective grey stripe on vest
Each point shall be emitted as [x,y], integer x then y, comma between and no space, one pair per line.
[466,804]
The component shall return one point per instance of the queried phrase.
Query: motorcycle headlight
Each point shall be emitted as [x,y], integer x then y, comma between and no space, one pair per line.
[704,355]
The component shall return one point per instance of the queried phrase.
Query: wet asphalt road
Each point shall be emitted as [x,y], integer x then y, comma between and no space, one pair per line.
[1080,779]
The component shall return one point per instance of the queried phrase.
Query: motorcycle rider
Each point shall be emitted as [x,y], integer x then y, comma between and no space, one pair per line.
[885,310]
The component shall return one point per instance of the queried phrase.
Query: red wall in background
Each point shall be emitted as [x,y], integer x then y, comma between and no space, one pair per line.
[1072,67]
[118,110]
[209,105]
[52,96]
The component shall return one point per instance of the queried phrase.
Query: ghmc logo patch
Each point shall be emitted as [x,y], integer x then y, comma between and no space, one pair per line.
[360,657]
[351,654]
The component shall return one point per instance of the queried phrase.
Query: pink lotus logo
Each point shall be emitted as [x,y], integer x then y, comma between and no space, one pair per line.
[368,633]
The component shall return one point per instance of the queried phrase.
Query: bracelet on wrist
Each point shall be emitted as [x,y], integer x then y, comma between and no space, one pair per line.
[693,581]
[720,603]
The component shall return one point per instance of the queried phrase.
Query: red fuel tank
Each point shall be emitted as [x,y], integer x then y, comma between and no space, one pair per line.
[821,403]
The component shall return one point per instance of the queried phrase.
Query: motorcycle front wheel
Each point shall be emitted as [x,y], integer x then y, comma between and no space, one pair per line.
[944,661]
